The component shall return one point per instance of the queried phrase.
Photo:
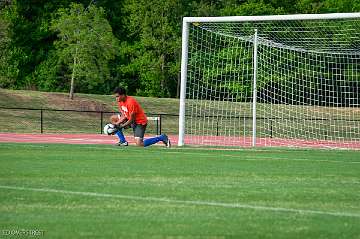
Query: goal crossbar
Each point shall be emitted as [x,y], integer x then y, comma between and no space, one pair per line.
[290,17]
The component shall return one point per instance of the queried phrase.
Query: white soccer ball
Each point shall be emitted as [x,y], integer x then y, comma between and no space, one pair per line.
[109,129]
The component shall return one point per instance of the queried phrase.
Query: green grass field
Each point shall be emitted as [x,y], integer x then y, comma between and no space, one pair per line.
[98,191]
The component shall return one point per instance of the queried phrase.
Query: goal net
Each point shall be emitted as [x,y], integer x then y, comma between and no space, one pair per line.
[291,80]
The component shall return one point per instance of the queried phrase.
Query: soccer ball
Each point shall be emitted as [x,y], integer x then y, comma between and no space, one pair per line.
[109,129]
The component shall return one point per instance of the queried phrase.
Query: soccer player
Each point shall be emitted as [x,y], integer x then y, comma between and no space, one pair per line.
[136,118]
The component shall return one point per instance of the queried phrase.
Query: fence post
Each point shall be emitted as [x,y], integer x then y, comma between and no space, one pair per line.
[101,121]
[41,121]
[160,119]
[271,128]
[217,128]
[157,126]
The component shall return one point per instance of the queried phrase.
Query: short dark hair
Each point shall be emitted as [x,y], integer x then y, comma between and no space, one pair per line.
[120,91]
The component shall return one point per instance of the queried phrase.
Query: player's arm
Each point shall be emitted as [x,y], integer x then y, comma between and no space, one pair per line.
[131,113]
[117,119]
[129,121]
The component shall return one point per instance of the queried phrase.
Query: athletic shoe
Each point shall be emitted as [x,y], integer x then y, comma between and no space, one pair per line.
[122,144]
[166,141]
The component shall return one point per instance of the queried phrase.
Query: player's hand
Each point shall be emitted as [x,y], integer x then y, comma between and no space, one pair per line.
[114,119]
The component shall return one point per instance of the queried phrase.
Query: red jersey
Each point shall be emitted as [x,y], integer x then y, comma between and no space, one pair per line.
[132,106]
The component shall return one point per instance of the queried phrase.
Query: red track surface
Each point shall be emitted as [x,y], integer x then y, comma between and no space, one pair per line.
[60,138]
[194,140]
[273,142]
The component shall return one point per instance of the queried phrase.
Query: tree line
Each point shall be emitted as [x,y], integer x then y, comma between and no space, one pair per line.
[93,46]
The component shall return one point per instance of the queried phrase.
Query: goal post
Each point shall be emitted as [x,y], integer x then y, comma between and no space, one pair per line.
[281,80]
[184,61]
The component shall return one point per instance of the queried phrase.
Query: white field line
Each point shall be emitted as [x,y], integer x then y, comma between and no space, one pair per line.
[186,202]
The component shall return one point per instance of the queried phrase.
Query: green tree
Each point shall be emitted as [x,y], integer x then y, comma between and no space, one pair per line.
[153,50]
[326,6]
[252,8]
[30,39]
[4,39]
[4,36]
[11,56]
[86,44]
[149,32]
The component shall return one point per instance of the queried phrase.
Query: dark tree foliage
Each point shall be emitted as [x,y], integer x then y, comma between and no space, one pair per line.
[147,61]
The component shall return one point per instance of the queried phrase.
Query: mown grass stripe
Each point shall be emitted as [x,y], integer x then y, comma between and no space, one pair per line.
[187,202]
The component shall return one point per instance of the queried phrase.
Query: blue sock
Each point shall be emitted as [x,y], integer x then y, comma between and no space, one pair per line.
[121,136]
[150,141]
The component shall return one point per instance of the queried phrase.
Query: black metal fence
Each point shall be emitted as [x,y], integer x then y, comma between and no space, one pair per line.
[29,120]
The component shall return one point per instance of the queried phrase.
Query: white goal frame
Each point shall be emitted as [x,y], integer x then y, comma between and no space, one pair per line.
[184,55]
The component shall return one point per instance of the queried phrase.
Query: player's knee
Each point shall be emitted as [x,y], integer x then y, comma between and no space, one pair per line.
[139,142]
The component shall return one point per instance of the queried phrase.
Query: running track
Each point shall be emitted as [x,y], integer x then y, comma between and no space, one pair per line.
[194,140]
